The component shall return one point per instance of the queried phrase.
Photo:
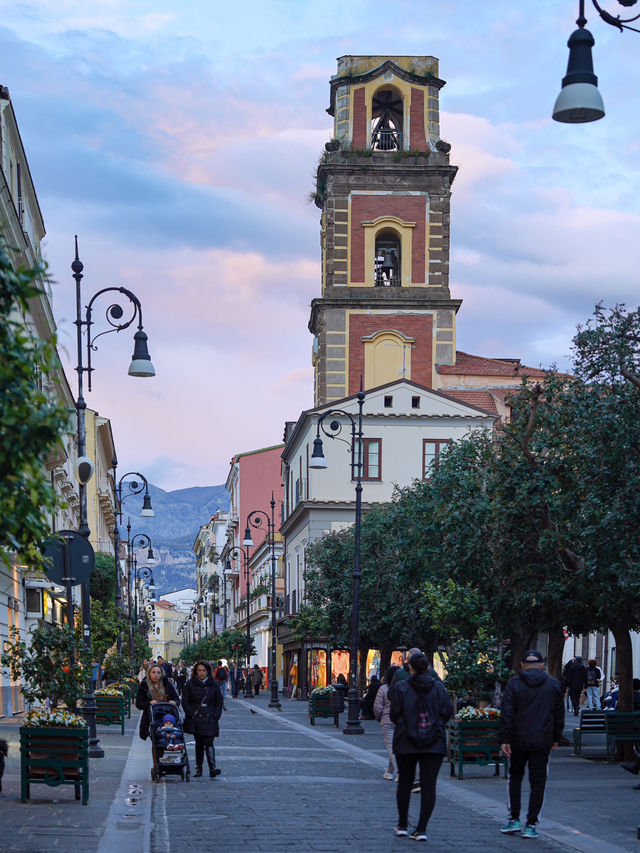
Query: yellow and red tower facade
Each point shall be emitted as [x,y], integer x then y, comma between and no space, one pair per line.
[384,186]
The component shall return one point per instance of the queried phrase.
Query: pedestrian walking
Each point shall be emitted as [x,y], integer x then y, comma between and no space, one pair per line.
[256,678]
[202,703]
[381,711]
[594,679]
[155,687]
[420,709]
[531,724]
[181,676]
[366,703]
[221,675]
[575,678]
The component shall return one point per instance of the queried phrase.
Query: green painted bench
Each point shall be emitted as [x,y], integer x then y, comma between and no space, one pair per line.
[621,728]
[591,723]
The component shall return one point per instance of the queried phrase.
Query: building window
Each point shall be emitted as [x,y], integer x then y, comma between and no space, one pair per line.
[371,459]
[431,448]
[387,259]
[388,402]
[415,402]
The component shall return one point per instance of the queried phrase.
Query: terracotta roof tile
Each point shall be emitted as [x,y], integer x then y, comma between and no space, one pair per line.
[479,399]
[468,364]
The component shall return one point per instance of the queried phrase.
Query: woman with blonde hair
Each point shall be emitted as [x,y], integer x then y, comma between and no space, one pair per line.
[156,687]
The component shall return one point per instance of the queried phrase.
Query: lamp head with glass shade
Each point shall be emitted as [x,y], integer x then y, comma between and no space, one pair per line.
[147,509]
[141,361]
[151,560]
[247,541]
[579,100]
[317,457]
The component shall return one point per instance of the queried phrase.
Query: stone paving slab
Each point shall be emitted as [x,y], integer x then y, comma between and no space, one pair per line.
[53,820]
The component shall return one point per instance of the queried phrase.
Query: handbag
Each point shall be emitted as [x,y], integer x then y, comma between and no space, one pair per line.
[189,725]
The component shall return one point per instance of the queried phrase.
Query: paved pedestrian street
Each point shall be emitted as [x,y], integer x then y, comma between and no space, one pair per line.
[286,785]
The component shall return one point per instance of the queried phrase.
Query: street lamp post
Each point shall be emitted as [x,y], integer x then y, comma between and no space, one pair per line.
[257,519]
[240,554]
[134,488]
[143,541]
[333,430]
[579,100]
[140,366]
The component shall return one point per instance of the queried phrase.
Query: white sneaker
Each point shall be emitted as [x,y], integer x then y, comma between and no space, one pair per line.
[389,776]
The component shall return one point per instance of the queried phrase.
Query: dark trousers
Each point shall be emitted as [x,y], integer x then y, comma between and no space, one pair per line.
[256,689]
[574,695]
[201,742]
[538,760]
[429,766]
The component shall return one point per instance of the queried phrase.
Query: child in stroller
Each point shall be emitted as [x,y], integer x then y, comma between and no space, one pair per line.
[167,739]
[169,735]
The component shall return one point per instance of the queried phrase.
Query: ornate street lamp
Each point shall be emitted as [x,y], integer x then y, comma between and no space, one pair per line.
[333,430]
[140,540]
[140,366]
[241,554]
[257,519]
[579,100]
[133,488]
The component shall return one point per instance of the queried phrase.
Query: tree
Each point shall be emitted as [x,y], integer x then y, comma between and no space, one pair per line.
[30,421]
[230,644]
[51,665]
[103,578]
[107,624]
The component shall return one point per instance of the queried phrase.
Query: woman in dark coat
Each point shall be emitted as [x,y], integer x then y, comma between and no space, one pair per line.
[420,697]
[155,687]
[366,703]
[202,703]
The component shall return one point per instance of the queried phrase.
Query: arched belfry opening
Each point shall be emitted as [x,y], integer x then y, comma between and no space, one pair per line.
[387,120]
[388,258]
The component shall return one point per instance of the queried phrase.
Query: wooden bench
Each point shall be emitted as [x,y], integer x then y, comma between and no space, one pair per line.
[591,723]
[621,728]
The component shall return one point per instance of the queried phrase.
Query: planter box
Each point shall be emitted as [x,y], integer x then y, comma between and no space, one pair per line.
[475,742]
[329,705]
[54,756]
[110,711]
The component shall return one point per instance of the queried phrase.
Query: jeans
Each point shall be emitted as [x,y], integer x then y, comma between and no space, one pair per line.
[223,688]
[387,733]
[593,698]
[538,760]
[429,766]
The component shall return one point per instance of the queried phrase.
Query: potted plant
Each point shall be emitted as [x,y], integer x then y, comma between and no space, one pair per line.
[51,670]
[473,739]
[322,703]
[110,707]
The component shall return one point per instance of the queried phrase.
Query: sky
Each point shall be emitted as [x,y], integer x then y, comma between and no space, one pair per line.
[179,141]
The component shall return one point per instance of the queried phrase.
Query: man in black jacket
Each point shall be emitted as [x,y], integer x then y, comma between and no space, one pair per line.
[531,723]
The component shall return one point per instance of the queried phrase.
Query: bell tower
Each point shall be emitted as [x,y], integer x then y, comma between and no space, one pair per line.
[383,186]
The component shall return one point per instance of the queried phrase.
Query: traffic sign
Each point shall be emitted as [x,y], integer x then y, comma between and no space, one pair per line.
[82,559]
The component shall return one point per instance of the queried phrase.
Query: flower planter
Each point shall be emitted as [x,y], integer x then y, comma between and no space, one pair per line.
[327,705]
[127,695]
[475,742]
[54,756]
[110,711]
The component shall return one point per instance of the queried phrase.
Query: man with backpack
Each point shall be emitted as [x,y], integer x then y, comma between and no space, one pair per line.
[420,709]
[221,676]
[531,723]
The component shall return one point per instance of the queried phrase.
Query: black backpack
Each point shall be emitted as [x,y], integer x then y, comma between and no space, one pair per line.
[422,729]
[593,676]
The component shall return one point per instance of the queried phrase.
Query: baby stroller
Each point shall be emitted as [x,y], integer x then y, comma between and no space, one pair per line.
[167,744]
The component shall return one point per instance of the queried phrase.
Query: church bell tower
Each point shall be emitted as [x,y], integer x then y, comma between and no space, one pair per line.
[384,186]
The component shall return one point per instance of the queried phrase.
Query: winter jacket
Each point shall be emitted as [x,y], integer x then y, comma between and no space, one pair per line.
[404,710]
[256,677]
[575,676]
[207,714]
[532,711]
[143,702]
[382,706]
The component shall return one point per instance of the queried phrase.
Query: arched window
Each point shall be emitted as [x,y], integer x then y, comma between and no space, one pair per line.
[387,119]
[387,259]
